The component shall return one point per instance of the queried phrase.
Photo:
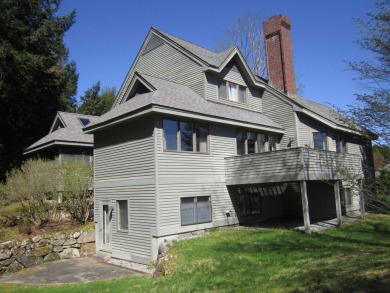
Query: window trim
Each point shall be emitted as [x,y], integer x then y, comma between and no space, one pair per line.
[195,198]
[227,86]
[194,136]
[118,216]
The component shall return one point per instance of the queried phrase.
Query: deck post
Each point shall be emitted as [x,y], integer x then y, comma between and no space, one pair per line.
[338,203]
[361,200]
[305,207]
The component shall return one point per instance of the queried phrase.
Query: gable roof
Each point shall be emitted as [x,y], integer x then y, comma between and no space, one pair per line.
[70,132]
[209,60]
[177,99]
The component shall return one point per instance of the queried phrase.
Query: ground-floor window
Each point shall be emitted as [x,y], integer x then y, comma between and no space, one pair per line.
[195,210]
[122,215]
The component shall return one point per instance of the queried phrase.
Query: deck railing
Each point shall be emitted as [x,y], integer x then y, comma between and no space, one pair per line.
[295,164]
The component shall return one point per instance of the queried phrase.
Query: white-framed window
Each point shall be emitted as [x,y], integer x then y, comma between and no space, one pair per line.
[122,215]
[319,140]
[250,142]
[231,91]
[184,136]
[195,210]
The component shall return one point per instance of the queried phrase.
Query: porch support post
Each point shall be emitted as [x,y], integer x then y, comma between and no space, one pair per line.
[338,203]
[305,207]
[361,200]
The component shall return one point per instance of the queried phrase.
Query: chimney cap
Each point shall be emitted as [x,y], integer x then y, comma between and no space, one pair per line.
[274,24]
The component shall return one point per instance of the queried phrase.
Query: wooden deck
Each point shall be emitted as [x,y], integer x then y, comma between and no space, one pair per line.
[295,164]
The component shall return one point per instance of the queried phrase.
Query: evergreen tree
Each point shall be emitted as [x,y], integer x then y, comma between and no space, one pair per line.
[35,79]
[95,103]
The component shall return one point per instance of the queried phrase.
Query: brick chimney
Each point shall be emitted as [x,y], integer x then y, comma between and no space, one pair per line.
[278,51]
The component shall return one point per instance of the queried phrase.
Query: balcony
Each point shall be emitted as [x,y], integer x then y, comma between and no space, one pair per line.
[296,164]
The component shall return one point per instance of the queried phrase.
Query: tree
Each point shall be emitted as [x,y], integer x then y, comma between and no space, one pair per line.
[247,34]
[35,79]
[95,103]
[372,110]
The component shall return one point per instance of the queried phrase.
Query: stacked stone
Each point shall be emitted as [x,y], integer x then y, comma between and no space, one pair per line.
[17,255]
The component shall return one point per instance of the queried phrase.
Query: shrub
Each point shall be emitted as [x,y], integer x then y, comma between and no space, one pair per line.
[76,182]
[12,215]
[30,186]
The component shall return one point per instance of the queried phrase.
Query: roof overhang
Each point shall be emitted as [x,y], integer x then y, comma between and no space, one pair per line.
[57,143]
[158,109]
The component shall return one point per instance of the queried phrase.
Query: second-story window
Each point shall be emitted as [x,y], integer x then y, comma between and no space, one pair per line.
[185,136]
[319,139]
[231,91]
[249,142]
[341,143]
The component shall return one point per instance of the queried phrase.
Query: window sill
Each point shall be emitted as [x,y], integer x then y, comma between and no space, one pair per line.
[184,225]
[122,231]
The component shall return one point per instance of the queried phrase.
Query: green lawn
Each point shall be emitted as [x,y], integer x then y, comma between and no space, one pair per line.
[355,258]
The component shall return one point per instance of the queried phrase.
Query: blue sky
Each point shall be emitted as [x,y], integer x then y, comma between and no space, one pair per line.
[108,34]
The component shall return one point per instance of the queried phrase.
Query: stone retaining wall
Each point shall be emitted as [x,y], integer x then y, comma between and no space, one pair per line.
[17,255]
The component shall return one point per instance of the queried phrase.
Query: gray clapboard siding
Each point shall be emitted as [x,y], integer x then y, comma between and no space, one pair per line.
[254,97]
[306,127]
[189,174]
[282,113]
[124,170]
[168,63]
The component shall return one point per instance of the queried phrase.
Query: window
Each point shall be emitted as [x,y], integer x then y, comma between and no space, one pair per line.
[122,215]
[195,210]
[185,136]
[250,203]
[249,142]
[341,143]
[231,91]
[84,121]
[319,139]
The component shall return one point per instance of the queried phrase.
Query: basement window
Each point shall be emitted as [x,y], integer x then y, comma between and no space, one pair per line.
[195,210]
[250,203]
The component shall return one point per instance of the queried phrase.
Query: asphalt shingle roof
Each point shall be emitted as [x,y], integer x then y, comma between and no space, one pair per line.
[204,54]
[72,132]
[176,96]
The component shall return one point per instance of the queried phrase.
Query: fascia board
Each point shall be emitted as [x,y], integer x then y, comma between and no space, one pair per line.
[58,117]
[57,142]
[137,77]
[327,122]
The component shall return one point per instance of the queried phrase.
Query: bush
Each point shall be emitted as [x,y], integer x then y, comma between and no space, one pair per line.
[76,181]
[38,181]
[11,215]
[30,186]
[378,199]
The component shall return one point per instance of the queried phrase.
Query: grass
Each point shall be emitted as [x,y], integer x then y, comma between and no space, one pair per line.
[355,258]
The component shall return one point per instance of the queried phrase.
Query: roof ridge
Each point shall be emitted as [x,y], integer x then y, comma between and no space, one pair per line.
[76,114]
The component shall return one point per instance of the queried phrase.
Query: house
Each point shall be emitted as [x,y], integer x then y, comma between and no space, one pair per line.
[195,140]
[65,139]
